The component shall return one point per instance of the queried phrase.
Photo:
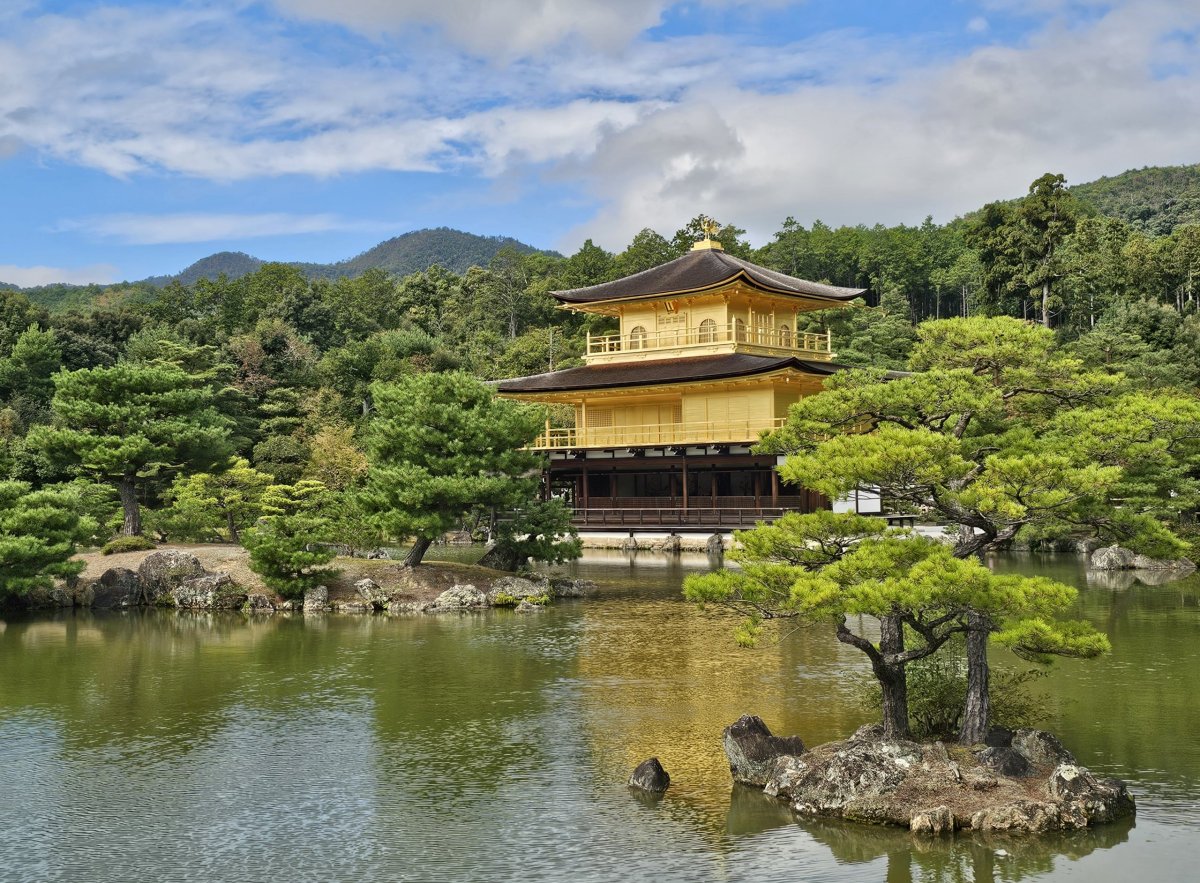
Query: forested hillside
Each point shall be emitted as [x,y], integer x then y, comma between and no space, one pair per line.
[1155,200]
[410,253]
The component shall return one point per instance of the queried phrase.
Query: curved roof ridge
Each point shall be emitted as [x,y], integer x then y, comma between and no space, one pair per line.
[698,271]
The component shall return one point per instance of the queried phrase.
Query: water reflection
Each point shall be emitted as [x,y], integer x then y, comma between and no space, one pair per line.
[496,746]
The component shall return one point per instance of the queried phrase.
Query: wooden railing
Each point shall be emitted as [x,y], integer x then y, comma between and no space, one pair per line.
[708,432]
[721,516]
[730,332]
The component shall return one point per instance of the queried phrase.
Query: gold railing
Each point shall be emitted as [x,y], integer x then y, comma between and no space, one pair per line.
[730,332]
[707,432]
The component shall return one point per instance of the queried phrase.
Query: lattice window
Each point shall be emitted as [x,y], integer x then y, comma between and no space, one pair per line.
[598,418]
[708,331]
[637,337]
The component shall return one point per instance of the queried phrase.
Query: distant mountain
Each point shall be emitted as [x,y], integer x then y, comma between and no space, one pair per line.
[1156,199]
[233,264]
[420,250]
[410,253]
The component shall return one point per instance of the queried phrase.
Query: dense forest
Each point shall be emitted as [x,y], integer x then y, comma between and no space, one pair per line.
[289,359]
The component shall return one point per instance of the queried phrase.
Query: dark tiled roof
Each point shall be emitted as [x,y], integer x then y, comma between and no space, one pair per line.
[701,270]
[651,373]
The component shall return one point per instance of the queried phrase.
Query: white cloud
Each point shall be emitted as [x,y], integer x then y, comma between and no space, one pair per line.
[844,126]
[505,29]
[151,229]
[940,138]
[977,25]
[28,277]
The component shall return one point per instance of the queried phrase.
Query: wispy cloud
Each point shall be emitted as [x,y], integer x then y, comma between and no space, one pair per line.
[846,125]
[160,229]
[505,29]
[28,277]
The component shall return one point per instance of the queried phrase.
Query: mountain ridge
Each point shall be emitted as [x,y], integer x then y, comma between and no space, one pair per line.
[410,252]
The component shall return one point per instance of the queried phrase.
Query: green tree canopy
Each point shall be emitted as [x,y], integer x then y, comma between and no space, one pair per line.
[999,433]
[38,532]
[129,424]
[440,445]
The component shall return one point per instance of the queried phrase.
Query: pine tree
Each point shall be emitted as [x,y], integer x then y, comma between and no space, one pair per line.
[441,445]
[131,424]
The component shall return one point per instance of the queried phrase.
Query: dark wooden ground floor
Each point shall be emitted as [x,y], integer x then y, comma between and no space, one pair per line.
[677,492]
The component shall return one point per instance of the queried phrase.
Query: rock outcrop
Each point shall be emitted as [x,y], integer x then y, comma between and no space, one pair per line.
[509,591]
[160,573]
[459,598]
[650,776]
[213,591]
[752,750]
[316,599]
[1025,787]
[371,595]
[1119,558]
[566,587]
[117,587]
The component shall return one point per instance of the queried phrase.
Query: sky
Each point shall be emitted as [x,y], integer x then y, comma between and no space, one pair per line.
[138,136]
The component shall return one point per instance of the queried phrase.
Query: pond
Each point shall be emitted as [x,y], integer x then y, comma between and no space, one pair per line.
[161,746]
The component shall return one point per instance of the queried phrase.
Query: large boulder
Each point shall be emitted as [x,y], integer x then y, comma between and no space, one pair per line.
[1040,748]
[316,599]
[852,779]
[566,587]
[509,591]
[213,591]
[257,602]
[117,587]
[160,573]
[1005,761]
[1093,800]
[458,598]
[650,776]
[1020,816]
[752,749]
[1112,557]
[938,820]
[371,594]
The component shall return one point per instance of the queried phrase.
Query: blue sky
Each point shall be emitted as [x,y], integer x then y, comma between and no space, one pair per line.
[139,136]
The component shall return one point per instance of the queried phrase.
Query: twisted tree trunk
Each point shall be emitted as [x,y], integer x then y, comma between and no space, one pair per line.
[127,488]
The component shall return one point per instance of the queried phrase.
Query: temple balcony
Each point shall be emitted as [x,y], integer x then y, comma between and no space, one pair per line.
[654,434]
[708,338]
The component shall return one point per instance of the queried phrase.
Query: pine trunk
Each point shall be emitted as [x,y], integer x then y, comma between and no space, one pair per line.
[977,709]
[127,487]
[1046,304]
[234,536]
[417,553]
[893,679]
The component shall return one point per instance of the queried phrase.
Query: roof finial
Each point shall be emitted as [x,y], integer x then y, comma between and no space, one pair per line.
[710,228]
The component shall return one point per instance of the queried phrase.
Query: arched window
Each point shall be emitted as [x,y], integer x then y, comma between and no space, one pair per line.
[637,337]
[739,329]
[708,331]
[785,336]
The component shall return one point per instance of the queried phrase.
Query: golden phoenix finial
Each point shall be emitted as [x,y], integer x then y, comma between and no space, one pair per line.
[710,227]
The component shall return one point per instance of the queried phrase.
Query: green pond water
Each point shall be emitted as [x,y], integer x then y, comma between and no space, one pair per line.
[155,746]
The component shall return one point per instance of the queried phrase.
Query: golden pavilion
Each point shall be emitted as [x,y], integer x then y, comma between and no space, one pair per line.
[707,358]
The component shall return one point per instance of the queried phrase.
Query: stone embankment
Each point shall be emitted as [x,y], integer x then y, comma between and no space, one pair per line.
[1119,558]
[178,578]
[1023,782]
